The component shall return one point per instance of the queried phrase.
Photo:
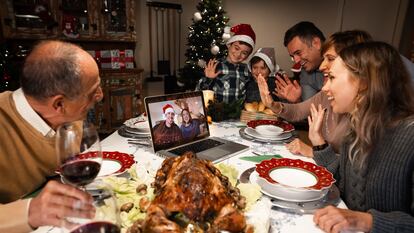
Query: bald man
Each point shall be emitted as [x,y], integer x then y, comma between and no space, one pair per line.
[60,83]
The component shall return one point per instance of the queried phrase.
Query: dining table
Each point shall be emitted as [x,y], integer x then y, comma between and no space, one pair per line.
[280,220]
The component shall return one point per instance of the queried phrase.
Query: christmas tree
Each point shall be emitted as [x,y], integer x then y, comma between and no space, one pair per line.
[206,39]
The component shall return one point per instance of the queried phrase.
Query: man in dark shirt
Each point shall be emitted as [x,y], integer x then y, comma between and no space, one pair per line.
[167,132]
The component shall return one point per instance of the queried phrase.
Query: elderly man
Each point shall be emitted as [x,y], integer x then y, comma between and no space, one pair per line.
[60,83]
[303,42]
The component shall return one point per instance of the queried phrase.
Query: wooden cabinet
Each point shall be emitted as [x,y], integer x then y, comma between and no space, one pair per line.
[122,98]
[68,19]
[95,25]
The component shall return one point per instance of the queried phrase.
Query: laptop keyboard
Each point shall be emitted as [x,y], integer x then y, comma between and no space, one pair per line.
[197,146]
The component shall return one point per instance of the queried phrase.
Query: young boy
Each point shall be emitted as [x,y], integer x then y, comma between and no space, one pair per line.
[228,77]
[262,63]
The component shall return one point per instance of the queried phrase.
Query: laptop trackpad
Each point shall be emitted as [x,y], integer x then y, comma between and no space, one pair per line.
[212,154]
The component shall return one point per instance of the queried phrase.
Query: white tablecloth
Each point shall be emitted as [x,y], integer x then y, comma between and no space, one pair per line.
[280,221]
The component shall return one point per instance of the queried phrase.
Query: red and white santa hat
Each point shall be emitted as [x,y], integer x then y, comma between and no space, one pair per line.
[168,108]
[243,32]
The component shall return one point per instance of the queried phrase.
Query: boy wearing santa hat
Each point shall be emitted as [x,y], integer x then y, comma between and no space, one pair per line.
[167,132]
[228,77]
[262,63]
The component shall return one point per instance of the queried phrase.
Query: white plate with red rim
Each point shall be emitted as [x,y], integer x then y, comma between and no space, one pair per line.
[253,133]
[285,126]
[113,162]
[268,130]
[293,179]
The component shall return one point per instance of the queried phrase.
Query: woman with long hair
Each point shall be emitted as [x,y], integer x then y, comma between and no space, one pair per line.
[190,127]
[375,168]
[333,124]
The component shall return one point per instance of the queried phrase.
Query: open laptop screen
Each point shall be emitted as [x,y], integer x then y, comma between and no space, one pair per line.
[176,119]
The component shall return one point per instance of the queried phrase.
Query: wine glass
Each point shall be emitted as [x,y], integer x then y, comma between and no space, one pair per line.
[79,153]
[106,214]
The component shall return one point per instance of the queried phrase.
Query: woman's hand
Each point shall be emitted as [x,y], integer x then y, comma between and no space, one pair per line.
[315,125]
[264,91]
[333,219]
[210,70]
[298,147]
[285,89]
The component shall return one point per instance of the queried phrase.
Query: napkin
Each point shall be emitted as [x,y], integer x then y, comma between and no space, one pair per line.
[260,158]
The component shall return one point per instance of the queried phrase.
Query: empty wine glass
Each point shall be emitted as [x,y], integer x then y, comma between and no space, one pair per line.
[106,217]
[79,152]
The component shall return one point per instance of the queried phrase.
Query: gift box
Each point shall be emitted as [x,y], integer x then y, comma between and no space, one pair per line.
[126,59]
[109,59]
[113,59]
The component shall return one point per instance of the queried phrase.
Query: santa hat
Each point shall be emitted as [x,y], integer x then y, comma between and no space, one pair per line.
[268,56]
[168,108]
[243,32]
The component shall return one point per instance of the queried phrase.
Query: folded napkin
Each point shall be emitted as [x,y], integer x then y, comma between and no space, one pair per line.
[260,158]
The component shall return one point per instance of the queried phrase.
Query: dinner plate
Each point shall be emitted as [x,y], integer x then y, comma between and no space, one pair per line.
[309,175]
[138,124]
[268,130]
[113,162]
[252,132]
[287,127]
[137,131]
[124,133]
[288,197]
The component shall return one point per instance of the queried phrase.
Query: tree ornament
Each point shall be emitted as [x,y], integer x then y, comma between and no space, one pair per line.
[214,49]
[197,16]
[201,63]
[226,36]
[202,35]
[180,84]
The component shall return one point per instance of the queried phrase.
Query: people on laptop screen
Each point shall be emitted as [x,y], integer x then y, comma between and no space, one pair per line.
[172,131]
[167,131]
[190,127]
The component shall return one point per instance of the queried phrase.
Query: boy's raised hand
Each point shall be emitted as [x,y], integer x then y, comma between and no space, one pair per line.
[210,70]
[285,89]
[264,91]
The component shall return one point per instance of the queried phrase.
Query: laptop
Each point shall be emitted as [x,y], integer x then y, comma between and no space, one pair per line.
[178,123]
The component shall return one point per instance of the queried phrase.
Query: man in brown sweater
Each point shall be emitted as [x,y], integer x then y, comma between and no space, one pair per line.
[60,83]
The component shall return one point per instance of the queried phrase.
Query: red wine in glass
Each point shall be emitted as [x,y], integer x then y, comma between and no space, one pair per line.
[97,227]
[79,152]
[80,172]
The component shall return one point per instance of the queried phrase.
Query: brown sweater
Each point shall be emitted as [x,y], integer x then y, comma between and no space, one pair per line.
[334,125]
[27,157]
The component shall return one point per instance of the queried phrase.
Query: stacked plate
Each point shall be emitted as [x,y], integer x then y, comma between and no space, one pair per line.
[292,180]
[135,127]
[269,130]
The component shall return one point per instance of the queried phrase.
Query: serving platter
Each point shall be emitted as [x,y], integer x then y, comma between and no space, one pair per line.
[309,207]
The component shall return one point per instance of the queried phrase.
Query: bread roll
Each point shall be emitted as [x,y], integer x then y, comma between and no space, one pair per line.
[251,107]
[261,107]
[268,111]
